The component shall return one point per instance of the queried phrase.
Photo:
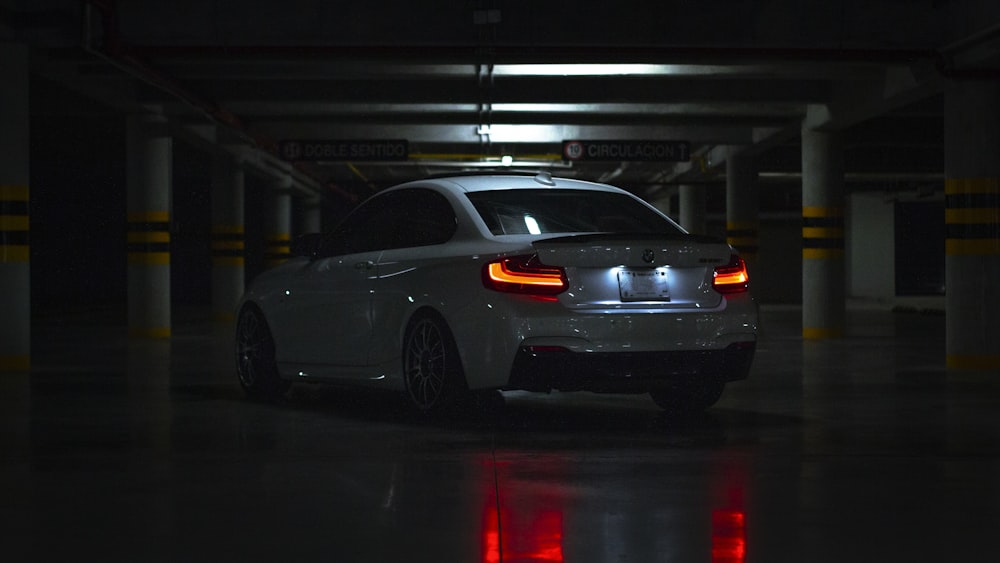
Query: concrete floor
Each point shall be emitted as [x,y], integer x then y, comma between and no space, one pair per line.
[861,449]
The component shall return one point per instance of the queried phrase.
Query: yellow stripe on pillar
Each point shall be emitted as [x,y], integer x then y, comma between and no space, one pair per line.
[13,193]
[15,363]
[972,216]
[810,333]
[149,332]
[743,235]
[149,258]
[973,362]
[822,253]
[15,253]
[148,238]
[228,245]
[959,186]
[954,247]
[14,224]
[742,242]
[278,248]
[148,216]
[822,233]
[822,212]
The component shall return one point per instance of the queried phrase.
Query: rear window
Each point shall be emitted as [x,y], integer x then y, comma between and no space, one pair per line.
[524,212]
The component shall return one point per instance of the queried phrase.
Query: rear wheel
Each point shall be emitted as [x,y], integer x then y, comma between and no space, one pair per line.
[255,362]
[688,398]
[431,365]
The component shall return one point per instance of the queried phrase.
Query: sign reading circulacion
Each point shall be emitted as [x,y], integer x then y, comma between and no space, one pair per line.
[348,150]
[663,151]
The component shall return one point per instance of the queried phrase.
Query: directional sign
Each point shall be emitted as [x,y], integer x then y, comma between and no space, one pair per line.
[649,151]
[344,150]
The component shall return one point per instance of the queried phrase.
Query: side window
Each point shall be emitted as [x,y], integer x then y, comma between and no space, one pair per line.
[399,219]
[424,218]
[356,233]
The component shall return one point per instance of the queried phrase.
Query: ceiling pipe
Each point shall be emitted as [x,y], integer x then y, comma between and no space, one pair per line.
[982,45]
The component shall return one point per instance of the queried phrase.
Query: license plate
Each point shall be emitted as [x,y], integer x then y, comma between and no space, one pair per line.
[643,285]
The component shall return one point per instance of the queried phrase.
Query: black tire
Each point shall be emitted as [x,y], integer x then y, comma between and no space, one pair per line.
[255,363]
[690,398]
[432,368]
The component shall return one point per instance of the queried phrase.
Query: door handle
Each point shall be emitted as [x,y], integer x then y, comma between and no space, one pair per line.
[366,265]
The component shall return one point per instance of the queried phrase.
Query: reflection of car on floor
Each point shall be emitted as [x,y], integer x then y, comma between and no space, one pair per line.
[445,285]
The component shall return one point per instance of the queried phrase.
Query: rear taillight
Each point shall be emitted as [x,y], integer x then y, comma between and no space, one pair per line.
[524,274]
[731,278]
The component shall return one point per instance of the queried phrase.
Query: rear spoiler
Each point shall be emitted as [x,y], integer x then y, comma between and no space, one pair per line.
[644,237]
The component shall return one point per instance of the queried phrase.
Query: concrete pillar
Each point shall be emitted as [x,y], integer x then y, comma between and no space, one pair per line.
[972,221]
[15,267]
[743,209]
[312,216]
[277,245]
[663,201]
[228,236]
[823,277]
[692,209]
[149,157]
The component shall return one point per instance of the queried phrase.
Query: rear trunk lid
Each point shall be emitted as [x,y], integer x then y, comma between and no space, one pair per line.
[636,271]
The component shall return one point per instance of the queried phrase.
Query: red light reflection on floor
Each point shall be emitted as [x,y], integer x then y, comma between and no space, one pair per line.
[528,536]
[528,529]
[729,539]
[531,527]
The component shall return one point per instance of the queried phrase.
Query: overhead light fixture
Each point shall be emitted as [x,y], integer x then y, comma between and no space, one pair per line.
[627,69]
[585,69]
[534,164]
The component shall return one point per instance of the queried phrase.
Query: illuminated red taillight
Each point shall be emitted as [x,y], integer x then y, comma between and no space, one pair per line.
[524,274]
[731,278]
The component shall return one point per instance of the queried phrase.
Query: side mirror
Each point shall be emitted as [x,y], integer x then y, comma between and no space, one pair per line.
[307,245]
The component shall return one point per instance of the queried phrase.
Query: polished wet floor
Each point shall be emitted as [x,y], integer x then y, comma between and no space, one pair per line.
[859,449]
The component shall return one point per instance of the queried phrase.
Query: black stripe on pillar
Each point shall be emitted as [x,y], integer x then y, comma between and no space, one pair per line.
[148,247]
[14,238]
[972,200]
[13,207]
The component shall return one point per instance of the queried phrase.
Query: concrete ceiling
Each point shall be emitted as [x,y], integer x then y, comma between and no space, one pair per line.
[466,84]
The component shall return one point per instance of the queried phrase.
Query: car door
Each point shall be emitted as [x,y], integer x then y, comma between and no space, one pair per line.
[328,311]
[328,301]
[420,220]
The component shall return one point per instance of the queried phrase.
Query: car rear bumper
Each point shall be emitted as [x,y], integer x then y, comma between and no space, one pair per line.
[548,368]
[491,336]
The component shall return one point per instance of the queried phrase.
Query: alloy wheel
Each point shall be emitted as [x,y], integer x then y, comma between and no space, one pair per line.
[427,364]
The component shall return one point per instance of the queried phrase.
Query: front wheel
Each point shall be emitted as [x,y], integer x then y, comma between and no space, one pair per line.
[689,398]
[431,366]
[255,361]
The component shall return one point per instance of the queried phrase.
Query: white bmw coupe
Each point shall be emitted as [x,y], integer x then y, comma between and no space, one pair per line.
[443,286]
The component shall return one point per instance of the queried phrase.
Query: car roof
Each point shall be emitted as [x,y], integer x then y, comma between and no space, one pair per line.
[484,182]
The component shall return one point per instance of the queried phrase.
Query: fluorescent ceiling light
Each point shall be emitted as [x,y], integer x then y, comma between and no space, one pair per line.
[489,163]
[578,69]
